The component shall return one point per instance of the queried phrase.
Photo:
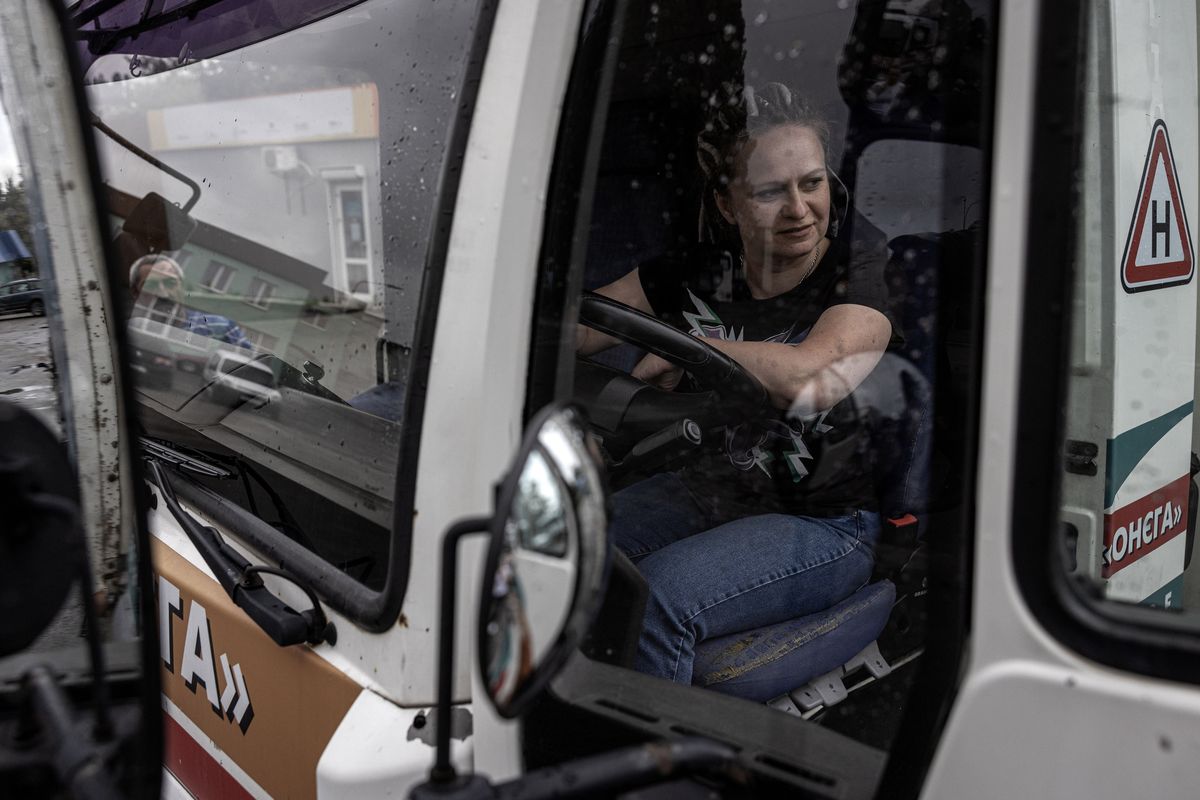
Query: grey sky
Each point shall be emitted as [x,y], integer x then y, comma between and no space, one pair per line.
[8,153]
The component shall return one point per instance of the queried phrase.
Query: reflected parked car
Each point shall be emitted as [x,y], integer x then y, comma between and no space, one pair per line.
[237,375]
[22,296]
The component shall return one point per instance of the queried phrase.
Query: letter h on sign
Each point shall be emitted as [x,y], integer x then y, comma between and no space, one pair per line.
[1158,227]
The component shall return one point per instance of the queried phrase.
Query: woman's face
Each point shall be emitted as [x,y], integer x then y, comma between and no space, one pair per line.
[779,197]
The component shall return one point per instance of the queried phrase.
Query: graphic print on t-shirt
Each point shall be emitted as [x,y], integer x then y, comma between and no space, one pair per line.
[705,324]
[778,431]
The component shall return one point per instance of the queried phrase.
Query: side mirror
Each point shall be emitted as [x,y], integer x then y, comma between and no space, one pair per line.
[86,748]
[42,549]
[548,534]
[549,541]
[158,224]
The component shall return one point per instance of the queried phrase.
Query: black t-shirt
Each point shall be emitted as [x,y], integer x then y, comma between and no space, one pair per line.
[820,465]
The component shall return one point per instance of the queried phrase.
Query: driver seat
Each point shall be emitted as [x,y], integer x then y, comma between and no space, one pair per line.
[807,656]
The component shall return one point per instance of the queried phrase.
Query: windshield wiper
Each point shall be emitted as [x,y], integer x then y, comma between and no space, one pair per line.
[242,582]
[182,460]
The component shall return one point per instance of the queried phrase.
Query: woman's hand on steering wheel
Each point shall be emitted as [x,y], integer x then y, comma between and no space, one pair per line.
[658,372]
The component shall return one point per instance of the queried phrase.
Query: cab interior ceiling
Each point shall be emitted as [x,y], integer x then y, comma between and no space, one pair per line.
[672,59]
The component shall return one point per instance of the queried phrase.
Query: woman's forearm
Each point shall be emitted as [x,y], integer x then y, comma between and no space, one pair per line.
[788,376]
[628,290]
[820,371]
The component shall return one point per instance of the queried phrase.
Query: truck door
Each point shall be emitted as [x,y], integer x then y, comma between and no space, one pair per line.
[903,92]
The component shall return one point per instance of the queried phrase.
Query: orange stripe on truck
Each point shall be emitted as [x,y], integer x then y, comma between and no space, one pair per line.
[271,709]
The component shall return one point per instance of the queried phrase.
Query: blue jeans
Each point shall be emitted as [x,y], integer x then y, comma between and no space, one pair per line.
[711,577]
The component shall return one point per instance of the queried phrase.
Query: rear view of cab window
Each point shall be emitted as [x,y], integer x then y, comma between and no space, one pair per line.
[272,181]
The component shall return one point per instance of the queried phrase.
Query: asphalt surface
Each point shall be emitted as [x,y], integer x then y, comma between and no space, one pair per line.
[26,378]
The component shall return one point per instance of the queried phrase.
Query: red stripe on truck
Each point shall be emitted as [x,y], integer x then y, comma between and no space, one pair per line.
[195,768]
[1144,525]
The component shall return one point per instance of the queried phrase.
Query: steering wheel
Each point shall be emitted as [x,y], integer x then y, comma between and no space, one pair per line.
[642,425]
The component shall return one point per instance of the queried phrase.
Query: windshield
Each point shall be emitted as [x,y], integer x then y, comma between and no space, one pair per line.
[272,192]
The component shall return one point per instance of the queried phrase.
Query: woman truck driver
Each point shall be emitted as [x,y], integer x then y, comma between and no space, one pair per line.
[753,536]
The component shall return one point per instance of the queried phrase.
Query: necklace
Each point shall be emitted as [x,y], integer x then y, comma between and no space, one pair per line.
[812,265]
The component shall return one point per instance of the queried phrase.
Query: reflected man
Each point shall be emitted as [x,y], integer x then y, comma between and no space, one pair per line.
[156,282]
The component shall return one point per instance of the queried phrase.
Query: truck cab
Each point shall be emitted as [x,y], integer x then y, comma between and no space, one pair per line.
[341,258]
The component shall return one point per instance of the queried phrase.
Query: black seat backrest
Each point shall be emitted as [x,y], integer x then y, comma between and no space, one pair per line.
[898,402]
[898,396]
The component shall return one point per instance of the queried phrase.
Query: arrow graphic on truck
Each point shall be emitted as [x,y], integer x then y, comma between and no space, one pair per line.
[1128,449]
[197,667]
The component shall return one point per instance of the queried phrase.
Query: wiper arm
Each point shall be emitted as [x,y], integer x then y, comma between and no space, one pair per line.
[240,579]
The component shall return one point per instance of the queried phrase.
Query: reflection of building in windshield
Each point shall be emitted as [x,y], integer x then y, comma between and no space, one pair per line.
[296,171]
[281,304]
[288,163]
[308,152]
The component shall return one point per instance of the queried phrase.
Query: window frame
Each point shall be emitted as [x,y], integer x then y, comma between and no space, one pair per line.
[148,690]
[619,702]
[260,299]
[218,269]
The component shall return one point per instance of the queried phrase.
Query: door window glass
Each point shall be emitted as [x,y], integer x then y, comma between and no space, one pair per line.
[275,207]
[774,177]
[1129,492]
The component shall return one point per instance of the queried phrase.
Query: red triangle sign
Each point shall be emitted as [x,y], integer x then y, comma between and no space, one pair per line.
[1158,251]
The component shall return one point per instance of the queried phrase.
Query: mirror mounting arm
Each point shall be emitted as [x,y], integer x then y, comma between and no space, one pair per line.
[142,154]
[443,771]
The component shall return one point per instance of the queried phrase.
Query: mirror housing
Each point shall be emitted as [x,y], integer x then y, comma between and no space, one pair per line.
[159,224]
[42,549]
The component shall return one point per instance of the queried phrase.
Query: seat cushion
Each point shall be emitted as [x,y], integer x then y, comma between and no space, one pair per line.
[764,663]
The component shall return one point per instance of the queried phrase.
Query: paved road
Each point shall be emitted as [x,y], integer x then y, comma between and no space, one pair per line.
[25,372]
[26,377]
